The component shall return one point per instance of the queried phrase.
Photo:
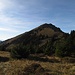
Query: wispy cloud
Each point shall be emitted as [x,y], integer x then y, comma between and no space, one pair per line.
[7,22]
[17,16]
[8,30]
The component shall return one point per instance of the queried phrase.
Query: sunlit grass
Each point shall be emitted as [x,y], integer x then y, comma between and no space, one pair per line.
[13,67]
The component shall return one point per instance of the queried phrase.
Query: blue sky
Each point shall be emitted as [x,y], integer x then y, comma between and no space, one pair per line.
[19,16]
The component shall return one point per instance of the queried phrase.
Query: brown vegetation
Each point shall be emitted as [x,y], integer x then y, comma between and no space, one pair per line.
[41,64]
[36,37]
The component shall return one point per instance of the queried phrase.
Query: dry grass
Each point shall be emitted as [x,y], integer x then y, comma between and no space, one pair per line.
[52,65]
[47,31]
[4,54]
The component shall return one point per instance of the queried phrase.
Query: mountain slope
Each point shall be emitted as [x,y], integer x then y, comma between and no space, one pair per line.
[38,36]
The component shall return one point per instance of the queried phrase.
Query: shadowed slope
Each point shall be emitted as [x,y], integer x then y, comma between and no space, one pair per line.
[37,36]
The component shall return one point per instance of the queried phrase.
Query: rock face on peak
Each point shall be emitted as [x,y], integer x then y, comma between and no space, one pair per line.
[48,30]
[50,26]
[38,36]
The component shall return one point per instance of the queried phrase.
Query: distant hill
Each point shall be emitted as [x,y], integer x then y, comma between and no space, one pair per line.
[1,41]
[36,37]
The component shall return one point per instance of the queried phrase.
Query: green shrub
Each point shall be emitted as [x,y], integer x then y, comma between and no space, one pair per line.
[19,51]
[49,48]
[59,53]
[61,50]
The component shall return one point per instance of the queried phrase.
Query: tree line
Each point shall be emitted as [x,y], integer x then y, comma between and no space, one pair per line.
[62,47]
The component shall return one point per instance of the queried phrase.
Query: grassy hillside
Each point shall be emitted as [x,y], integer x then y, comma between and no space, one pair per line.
[37,36]
[47,39]
[38,51]
[48,65]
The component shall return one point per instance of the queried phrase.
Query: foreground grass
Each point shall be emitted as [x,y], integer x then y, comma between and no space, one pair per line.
[52,65]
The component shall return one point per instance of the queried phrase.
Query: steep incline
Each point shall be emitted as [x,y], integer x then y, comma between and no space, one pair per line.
[38,36]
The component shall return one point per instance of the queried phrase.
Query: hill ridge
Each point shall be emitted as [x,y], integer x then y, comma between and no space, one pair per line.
[37,36]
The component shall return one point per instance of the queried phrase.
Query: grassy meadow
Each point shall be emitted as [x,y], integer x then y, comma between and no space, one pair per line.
[52,65]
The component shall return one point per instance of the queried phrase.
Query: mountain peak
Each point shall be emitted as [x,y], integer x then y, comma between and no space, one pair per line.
[47,25]
[53,27]
[38,36]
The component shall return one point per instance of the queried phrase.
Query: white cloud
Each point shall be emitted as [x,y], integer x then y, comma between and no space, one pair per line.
[2,6]
[7,20]
[5,4]
[8,30]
